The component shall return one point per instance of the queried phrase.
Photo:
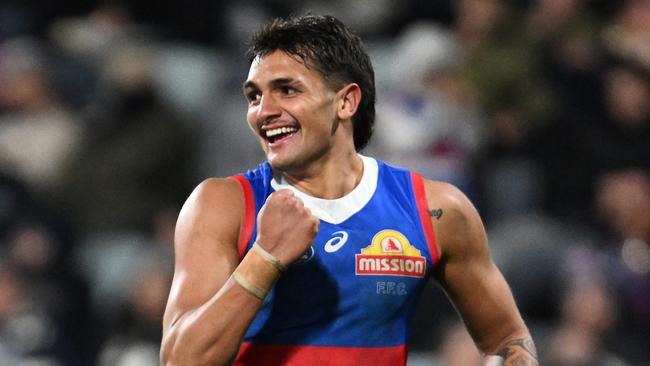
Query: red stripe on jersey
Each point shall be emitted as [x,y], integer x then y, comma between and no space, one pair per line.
[277,355]
[425,219]
[249,214]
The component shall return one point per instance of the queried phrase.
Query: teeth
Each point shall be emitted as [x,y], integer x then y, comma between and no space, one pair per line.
[277,131]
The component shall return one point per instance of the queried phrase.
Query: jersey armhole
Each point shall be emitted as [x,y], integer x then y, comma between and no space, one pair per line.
[246,230]
[425,219]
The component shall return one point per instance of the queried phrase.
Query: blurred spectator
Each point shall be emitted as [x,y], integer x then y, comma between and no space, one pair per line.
[588,313]
[502,67]
[50,313]
[138,156]
[607,303]
[627,100]
[130,276]
[623,205]
[46,309]
[577,149]
[566,36]
[526,248]
[38,135]
[369,18]
[15,199]
[547,18]
[628,34]
[110,261]
[500,61]
[11,301]
[135,340]
[17,18]
[508,179]
[427,118]
[92,37]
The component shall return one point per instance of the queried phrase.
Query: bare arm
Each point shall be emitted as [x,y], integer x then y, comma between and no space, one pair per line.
[208,312]
[473,282]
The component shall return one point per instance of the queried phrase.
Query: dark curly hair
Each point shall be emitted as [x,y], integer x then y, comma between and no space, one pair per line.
[325,44]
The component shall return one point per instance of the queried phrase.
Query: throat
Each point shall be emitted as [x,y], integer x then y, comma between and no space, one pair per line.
[328,183]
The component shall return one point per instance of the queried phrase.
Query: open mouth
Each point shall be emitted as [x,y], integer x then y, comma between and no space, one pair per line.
[280,133]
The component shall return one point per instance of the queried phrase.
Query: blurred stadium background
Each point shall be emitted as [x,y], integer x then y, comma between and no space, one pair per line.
[112,111]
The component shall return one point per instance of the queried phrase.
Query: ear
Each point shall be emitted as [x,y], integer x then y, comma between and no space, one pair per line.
[348,99]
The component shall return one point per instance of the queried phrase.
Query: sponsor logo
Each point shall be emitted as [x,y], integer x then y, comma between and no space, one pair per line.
[336,242]
[390,253]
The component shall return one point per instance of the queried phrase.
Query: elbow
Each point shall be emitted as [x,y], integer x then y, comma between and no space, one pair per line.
[167,356]
[180,349]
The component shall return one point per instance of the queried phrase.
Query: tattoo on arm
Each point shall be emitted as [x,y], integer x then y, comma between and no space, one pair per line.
[437,213]
[519,352]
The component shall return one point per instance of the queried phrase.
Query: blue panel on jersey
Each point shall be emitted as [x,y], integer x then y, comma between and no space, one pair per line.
[360,293]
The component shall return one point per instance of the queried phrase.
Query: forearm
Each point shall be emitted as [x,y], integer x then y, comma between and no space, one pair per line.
[515,352]
[211,334]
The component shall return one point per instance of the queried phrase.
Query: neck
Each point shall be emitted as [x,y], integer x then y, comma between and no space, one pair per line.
[332,177]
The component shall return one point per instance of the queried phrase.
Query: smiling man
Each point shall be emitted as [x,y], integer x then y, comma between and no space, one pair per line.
[318,256]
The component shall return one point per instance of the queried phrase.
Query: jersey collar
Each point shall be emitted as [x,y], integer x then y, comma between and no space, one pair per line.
[338,210]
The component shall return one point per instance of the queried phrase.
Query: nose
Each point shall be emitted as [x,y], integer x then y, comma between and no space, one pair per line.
[268,108]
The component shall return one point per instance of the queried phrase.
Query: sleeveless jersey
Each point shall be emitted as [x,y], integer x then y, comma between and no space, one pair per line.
[349,299]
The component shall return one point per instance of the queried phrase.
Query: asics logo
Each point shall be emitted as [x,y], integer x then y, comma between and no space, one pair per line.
[337,242]
[309,254]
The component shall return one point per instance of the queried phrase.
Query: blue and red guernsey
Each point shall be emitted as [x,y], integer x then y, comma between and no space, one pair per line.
[349,299]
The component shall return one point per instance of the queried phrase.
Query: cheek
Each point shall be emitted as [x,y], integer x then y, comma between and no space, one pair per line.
[250,119]
[321,113]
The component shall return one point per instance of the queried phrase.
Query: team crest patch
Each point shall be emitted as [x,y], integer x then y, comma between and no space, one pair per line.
[390,253]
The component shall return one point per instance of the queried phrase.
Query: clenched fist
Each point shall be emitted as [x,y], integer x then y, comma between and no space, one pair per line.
[285,227]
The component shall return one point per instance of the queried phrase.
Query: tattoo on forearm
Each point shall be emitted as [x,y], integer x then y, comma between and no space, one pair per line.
[519,352]
[437,213]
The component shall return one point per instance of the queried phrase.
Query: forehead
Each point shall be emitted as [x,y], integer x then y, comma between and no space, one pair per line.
[280,65]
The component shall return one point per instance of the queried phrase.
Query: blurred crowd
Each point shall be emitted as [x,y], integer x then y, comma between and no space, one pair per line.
[111,112]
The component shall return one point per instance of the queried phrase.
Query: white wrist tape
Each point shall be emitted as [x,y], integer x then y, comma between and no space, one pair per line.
[252,289]
[269,257]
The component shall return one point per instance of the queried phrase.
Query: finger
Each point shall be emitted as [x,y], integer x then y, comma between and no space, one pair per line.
[316,225]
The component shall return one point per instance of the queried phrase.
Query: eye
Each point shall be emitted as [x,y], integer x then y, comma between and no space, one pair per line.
[288,90]
[253,96]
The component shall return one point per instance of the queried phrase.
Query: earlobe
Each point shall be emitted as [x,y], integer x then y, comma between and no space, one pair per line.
[350,97]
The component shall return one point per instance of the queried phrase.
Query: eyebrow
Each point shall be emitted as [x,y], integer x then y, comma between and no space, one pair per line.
[273,83]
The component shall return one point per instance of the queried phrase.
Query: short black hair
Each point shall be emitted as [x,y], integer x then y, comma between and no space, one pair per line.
[330,47]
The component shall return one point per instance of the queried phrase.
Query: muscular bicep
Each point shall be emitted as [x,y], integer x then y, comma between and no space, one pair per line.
[205,246]
[466,272]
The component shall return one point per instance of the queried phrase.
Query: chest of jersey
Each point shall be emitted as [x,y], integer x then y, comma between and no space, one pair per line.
[358,283]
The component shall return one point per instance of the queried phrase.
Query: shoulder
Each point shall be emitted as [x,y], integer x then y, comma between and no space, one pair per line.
[447,195]
[457,223]
[213,192]
[215,207]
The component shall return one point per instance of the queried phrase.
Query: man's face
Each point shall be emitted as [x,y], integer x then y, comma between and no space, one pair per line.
[290,109]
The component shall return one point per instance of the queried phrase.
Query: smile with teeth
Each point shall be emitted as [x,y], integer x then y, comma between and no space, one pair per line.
[278,133]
